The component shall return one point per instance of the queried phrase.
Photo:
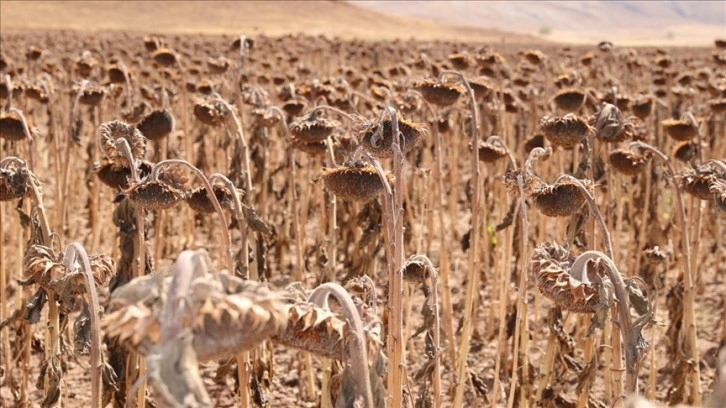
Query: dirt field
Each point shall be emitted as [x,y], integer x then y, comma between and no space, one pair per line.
[308,187]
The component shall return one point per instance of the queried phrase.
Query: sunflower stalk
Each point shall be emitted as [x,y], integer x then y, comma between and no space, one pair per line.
[689,320]
[74,252]
[393,207]
[358,350]
[226,242]
[473,272]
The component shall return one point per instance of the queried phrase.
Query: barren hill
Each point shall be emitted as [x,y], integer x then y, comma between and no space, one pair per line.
[333,18]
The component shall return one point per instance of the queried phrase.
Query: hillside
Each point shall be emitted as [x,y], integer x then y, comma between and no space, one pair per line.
[334,18]
[624,22]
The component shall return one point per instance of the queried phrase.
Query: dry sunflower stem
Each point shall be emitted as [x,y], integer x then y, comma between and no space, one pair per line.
[65,278]
[566,280]
[358,350]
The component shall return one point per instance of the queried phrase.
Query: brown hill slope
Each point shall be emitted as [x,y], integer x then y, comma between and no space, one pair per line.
[334,18]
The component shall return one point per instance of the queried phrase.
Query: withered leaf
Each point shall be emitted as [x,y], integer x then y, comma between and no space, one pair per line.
[255,222]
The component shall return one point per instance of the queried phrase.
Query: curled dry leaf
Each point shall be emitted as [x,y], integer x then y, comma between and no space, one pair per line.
[315,330]
[14,183]
[551,264]
[697,182]
[718,189]
[655,255]
[46,269]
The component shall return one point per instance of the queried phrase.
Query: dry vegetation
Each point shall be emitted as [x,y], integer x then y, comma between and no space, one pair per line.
[352,223]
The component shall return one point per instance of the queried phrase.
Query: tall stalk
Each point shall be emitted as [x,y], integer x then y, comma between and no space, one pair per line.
[210,195]
[689,284]
[73,252]
[358,350]
[473,267]
[393,207]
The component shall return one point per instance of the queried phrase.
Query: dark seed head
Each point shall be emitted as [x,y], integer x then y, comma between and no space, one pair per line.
[718,106]
[567,131]
[570,99]
[200,202]
[558,200]
[415,272]
[313,148]
[11,126]
[160,194]
[154,195]
[642,107]
[460,61]
[210,113]
[535,57]
[293,107]
[537,140]
[117,176]
[483,89]
[353,183]
[265,118]
[92,95]
[439,94]
[116,75]
[680,129]
[37,93]
[312,128]
[489,153]
[164,57]
[157,125]
[686,151]
[628,162]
